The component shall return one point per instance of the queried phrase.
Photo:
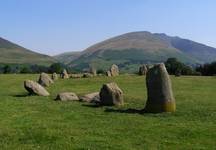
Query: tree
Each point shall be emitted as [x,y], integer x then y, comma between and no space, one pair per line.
[56,67]
[207,69]
[25,70]
[1,68]
[100,71]
[176,67]
[7,69]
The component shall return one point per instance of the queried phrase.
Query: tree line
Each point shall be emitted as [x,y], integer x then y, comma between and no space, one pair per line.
[208,69]
[173,66]
[27,68]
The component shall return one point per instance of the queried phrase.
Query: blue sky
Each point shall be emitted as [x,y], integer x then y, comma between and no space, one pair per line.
[56,26]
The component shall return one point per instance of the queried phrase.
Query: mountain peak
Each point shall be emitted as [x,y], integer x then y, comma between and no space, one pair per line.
[135,48]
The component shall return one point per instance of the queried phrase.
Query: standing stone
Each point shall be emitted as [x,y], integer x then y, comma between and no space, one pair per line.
[149,66]
[111,94]
[64,74]
[93,71]
[45,80]
[114,70]
[54,76]
[35,89]
[159,90]
[108,73]
[67,96]
[143,70]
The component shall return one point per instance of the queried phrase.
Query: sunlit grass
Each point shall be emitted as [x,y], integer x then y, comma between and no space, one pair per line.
[42,123]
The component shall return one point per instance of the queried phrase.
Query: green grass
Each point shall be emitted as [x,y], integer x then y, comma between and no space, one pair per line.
[42,123]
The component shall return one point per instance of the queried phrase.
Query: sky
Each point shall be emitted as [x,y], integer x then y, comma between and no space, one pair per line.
[56,26]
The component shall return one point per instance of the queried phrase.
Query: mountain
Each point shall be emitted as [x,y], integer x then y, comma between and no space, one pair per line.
[13,53]
[67,57]
[132,49]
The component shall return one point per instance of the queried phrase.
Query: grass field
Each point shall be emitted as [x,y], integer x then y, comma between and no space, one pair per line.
[41,123]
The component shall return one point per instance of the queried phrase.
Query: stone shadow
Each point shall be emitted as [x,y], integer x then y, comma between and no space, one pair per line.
[128,111]
[113,110]
[92,105]
[22,95]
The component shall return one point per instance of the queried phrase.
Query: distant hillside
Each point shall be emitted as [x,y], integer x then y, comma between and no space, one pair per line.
[13,53]
[67,57]
[201,52]
[132,49]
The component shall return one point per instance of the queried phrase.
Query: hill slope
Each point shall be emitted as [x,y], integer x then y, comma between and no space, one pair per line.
[13,53]
[67,57]
[132,49]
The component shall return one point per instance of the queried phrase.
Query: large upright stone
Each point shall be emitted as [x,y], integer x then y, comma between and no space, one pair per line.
[159,90]
[35,89]
[45,80]
[64,74]
[108,73]
[143,70]
[111,94]
[93,71]
[114,70]
[54,76]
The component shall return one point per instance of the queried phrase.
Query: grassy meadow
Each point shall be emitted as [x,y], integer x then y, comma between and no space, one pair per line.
[33,122]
